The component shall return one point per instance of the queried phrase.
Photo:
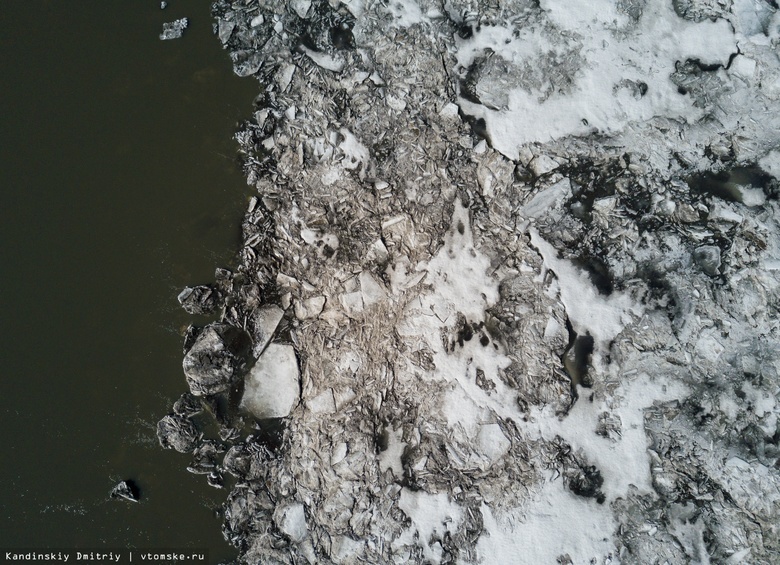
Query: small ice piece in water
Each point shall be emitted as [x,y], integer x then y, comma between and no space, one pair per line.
[174,29]
[163,5]
[126,490]
[272,386]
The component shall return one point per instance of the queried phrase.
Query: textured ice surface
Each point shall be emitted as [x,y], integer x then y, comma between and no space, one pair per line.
[530,264]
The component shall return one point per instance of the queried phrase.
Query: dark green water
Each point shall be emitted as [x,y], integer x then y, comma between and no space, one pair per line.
[119,187]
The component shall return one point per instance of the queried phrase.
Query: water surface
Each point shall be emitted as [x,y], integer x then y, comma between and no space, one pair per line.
[119,187]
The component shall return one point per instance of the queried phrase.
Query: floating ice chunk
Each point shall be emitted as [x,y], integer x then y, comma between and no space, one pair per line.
[449,110]
[174,29]
[352,303]
[377,252]
[284,76]
[724,213]
[225,30]
[542,164]
[309,308]
[257,21]
[743,67]
[291,521]
[750,196]
[344,549]
[751,17]
[339,453]
[272,387]
[707,257]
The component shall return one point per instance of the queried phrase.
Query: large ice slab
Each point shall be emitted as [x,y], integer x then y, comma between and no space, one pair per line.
[272,387]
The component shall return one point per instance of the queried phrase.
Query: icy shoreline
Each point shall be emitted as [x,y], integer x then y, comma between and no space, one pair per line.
[525,330]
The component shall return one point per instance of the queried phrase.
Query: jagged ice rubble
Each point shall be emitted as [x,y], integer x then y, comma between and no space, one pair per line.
[508,288]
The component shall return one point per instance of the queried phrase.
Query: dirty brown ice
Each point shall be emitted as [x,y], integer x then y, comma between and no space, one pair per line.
[431,350]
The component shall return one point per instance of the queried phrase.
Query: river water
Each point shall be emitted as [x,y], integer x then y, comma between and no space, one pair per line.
[119,187]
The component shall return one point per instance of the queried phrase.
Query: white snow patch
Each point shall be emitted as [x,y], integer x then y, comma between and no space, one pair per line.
[355,153]
[272,389]
[604,54]
[390,458]
[492,442]
[771,163]
[622,462]
[432,516]
[603,317]
[555,523]
[405,13]
[458,273]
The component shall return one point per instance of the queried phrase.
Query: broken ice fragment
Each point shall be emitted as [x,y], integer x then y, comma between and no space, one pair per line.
[201,299]
[542,164]
[177,432]
[225,30]
[707,257]
[309,308]
[352,303]
[272,387]
[549,199]
[328,62]
[323,403]
[291,521]
[267,319]
[373,292]
[215,360]
[301,7]
[174,29]
[126,490]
